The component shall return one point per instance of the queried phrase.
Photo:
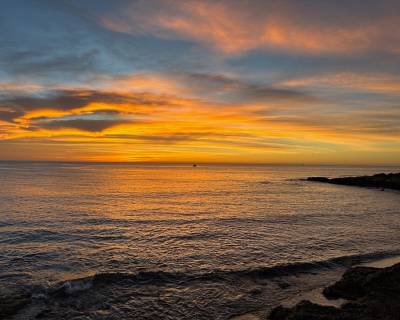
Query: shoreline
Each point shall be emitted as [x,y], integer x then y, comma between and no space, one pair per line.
[282,286]
[363,292]
[315,295]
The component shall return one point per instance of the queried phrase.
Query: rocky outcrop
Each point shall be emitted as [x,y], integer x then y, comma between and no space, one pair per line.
[11,303]
[372,293]
[381,180]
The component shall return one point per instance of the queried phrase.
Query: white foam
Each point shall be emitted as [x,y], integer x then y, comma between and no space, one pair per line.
[74,286]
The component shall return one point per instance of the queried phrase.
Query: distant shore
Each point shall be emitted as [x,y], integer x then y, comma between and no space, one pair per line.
[381,180]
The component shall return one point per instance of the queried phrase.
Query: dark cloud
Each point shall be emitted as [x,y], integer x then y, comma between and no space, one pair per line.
[65,63]
[72,99]
[9,116]
[239,90]
[177,137]
[82,124]
[108,112]
[61,100]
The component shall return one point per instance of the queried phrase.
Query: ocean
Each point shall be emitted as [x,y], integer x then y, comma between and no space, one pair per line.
[130,241]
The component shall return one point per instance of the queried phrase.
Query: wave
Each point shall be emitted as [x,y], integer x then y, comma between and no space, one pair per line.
[159,277]
[138,293]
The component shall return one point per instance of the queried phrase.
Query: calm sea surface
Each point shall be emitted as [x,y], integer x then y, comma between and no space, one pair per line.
[177,242]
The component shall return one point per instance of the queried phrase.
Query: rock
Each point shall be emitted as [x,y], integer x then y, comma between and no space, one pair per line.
[381,180]
[10,304]
[351,286]
[372,283]
[373,293]
[318,179]
[305,310]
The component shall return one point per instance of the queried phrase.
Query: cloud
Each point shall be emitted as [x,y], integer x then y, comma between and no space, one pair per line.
[236,27]
[237,90]
[40,65]
[9,116]
[52,41]
[199,79]
[203,86]
[368,82]
[191,111]
[66,100]
[82,124]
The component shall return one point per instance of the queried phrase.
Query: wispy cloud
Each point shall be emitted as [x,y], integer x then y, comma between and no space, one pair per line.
[186,119]
[82,124]
[235,27]
[368,82]
[283,81]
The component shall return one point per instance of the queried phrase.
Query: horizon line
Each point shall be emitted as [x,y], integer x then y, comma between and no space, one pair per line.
[198,163]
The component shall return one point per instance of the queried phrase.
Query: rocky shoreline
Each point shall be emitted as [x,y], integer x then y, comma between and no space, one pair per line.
[372,293]
[381,180]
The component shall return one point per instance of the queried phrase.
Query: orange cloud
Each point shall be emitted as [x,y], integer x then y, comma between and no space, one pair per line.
[384,83]
[11,87]
[155,83]
[145,122]
[237,27]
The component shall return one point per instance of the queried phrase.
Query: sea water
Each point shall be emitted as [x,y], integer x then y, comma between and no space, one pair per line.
[126,241]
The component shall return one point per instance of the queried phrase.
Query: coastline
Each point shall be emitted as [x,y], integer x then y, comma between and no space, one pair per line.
[370,293]
[364,290]
[380,180]
[284,285]
[315,294]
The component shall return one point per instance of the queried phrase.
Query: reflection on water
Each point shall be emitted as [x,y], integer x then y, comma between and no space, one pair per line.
[63,221]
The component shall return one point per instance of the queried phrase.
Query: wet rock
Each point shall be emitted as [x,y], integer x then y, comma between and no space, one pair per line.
[371,283]
[10,304]
[351,286]
[373,293]
[305,310]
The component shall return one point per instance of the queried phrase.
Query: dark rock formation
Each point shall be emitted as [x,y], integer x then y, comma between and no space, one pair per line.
[381,180]
[305,310]
[318,179]
[372,293]
[11,303]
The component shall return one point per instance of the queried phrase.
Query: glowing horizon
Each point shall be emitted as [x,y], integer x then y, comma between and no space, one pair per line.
[201,81]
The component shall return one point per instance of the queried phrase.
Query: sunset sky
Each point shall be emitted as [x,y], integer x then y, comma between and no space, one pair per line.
[250,81]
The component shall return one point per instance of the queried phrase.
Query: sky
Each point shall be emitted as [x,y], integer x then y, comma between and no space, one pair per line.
[227,81]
